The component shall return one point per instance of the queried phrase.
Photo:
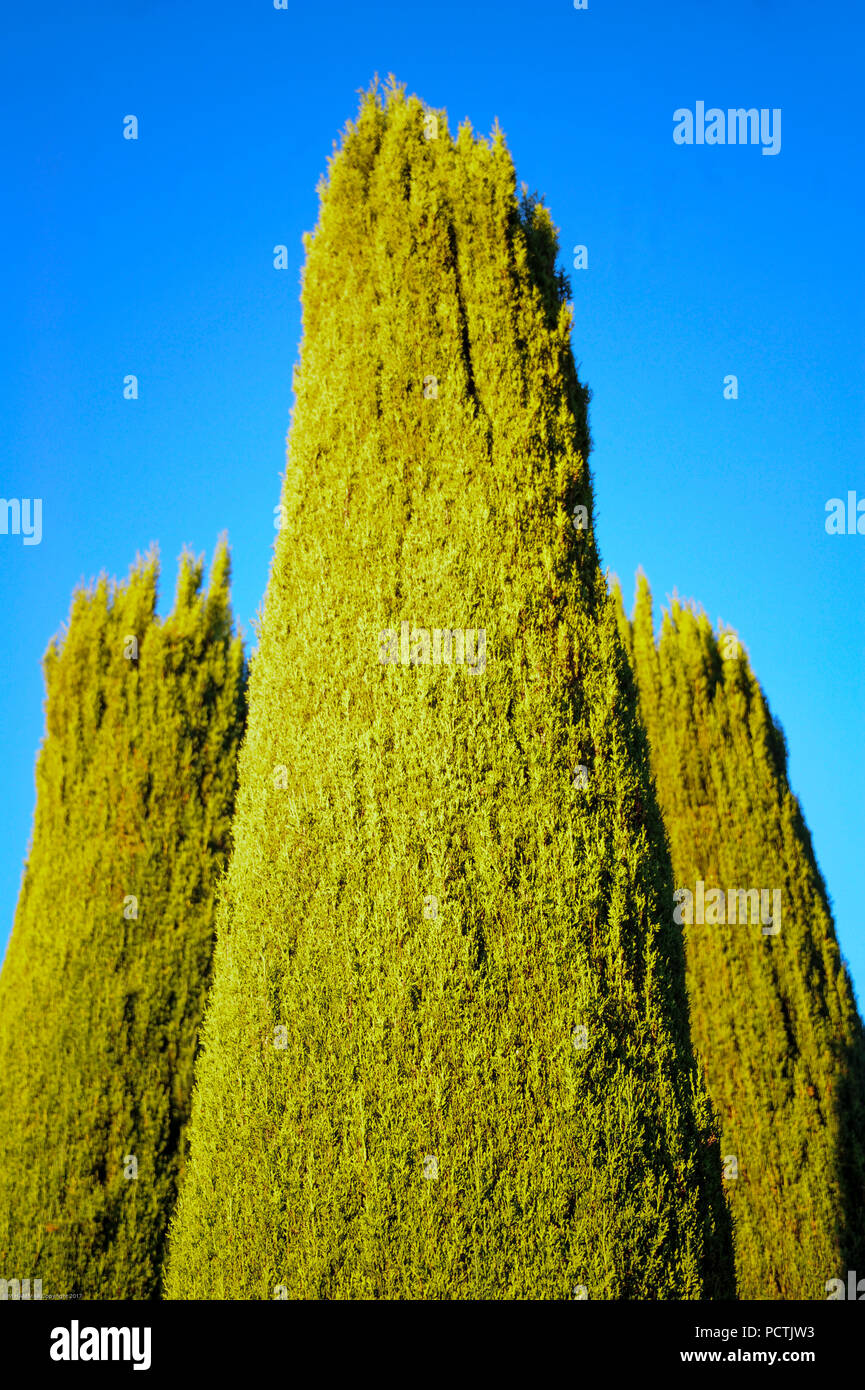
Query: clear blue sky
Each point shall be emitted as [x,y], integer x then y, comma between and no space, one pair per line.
[155,257]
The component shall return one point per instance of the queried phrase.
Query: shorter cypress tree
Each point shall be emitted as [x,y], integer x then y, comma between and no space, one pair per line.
[105,977]
[774,1018]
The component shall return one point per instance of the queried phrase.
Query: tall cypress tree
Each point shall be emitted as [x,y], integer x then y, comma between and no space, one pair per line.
[447,1052]
[105,977]
[773,1013]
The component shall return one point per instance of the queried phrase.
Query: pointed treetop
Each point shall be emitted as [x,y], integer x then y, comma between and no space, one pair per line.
[189,577]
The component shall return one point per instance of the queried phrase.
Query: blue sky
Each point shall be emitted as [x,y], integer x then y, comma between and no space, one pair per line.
[155,257]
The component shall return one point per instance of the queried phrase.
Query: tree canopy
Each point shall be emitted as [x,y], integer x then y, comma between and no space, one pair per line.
[106,973]
[773,1013]
[447,1049]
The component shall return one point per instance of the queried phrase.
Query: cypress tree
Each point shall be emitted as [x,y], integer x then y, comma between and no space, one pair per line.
[773,1012]
[447,1050]
[103,985]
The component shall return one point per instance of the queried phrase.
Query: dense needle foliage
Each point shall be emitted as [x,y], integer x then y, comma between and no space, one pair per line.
[773,1014]
[425,905]
[104,982]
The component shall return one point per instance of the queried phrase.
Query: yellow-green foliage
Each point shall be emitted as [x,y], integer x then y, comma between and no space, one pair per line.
[773,1015]
[100,1009]
[421,907]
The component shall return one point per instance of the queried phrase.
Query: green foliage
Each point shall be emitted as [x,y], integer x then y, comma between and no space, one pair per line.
[421,908]
[773,1015]
[100,1008]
